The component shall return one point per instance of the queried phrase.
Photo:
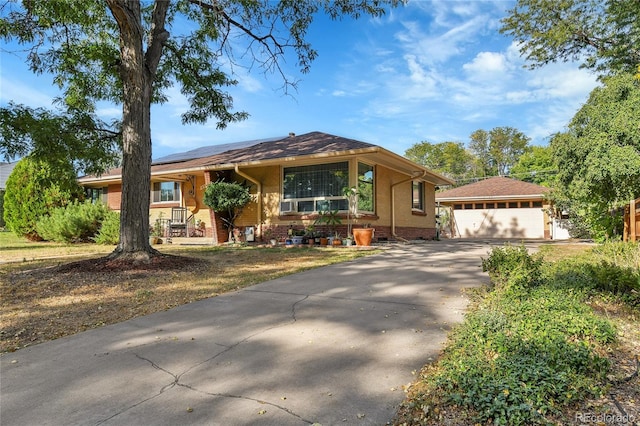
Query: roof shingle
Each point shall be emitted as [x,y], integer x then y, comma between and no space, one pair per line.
[498,186]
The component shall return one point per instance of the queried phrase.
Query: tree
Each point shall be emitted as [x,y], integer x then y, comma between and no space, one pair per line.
[599,156]
[499,149]
[91,145]
[228,198]
[122,51]
[604,35]
[536,166]
[34,188]
[449,158]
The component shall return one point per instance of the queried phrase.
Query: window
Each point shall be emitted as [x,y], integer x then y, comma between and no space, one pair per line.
[366,200]
[468,206]
[166,192]
[316,188]
[479,206]
[491,205]
[513,205]
[417,198]
[502,205]
[537,204]
[97,194]
[457,206]
[525,204]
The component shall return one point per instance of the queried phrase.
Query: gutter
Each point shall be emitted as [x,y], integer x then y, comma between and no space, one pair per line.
[393,203]
[259,194]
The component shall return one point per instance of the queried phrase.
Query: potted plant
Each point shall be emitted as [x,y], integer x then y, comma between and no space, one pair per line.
[363,236]
[156,231]
[351,194]
[332,220]
[268,236]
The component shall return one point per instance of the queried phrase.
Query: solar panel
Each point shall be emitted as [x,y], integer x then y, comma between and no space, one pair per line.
[207,151]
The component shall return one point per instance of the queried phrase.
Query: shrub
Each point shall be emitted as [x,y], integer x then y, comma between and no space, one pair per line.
[77,222]
[109,232]
[33,190]
[512,266]
[2,224]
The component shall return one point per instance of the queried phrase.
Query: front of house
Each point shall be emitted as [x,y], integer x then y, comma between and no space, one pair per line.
[293,180]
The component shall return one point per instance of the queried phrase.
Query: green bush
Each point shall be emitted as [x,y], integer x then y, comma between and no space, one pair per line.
[2,224]
[77,222]
[33,190]
[109,232]
[512,266]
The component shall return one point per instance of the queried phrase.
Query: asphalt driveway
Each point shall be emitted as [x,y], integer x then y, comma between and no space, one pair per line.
[331,346]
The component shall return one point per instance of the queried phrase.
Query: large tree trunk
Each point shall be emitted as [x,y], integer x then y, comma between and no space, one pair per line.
[137,73]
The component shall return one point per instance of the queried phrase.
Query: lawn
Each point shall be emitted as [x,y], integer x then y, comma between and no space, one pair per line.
[43,298]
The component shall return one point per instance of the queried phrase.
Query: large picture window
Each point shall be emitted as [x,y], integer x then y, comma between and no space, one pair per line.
[319,187]
[166,192]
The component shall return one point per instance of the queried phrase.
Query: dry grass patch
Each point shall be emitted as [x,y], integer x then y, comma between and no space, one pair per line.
[42,300]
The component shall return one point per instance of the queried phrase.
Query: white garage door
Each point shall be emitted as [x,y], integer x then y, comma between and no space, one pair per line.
[500,223]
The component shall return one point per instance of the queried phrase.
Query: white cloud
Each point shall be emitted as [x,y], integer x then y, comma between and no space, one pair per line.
[487,65]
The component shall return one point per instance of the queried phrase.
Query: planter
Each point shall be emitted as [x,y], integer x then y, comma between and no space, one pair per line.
[296,240]
[363,236]
[336,242]
[324,241]
[347,242]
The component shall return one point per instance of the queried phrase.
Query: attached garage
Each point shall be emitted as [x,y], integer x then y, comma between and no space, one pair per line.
[497,207]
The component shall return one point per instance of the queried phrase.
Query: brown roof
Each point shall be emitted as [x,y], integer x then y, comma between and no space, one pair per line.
[290,146]
[495,187]
[277,150]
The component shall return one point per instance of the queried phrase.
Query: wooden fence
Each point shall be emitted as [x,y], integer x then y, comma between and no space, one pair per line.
[632,221]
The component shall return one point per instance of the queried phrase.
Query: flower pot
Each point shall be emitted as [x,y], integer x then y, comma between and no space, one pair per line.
[324,241]
[363,236]
[336,242]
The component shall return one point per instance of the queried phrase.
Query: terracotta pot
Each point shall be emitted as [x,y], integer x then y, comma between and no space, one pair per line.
[363,236]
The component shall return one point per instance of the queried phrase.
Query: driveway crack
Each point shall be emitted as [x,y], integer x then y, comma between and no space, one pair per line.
[176,377]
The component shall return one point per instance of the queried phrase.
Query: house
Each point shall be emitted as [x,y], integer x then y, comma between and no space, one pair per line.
[293,179]
[500,207]
[5,172]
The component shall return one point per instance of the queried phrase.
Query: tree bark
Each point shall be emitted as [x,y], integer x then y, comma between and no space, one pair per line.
[137,72]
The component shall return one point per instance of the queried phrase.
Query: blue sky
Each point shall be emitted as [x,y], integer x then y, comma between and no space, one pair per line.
[429,71]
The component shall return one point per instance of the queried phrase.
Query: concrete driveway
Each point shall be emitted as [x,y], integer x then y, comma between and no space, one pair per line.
[331,346]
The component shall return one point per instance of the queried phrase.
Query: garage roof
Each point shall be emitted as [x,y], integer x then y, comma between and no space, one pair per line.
[498,187]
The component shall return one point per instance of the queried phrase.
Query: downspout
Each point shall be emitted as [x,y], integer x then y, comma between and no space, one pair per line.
[259,194]
[393,203]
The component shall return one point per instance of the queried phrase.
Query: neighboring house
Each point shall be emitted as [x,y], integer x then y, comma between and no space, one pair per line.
[5,171]
[501,207]
[293,179]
